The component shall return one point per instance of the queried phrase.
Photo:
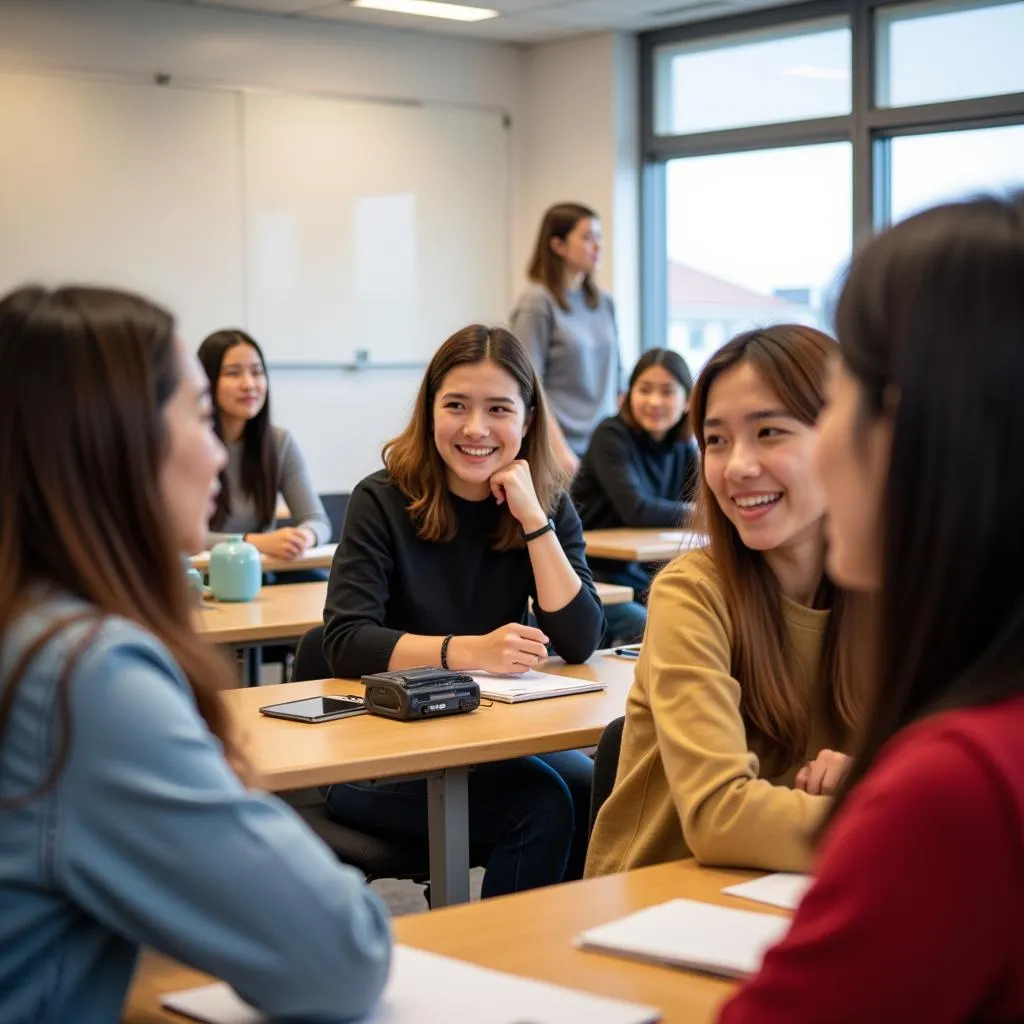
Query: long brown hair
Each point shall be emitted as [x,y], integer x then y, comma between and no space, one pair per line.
[546,266]
[259,453]
[84,376]
[792,360]
[416,465]
[932,311]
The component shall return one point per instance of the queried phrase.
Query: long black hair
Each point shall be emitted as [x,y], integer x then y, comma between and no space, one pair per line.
[931,323]
[259,454]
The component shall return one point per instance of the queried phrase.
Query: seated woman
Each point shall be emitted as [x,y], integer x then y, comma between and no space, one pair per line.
[440,556]
[919,450]
[263,460]
[122,824]
[745,673]
[640,470]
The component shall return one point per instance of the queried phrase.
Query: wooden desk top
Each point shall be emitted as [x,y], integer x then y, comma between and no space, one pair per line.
[652,545]
[319,557]
[531,934]
[286,611]
[290,755]
[275,613]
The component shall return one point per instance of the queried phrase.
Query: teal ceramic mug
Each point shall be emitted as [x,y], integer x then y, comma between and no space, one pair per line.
[236,572]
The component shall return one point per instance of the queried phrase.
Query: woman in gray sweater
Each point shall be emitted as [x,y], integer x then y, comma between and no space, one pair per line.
[263,460]
[568,326]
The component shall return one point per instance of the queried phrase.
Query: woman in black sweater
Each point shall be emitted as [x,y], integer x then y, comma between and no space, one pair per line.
[640,470]
[440,555]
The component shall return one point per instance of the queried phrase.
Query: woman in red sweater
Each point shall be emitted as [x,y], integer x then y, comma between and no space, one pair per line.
[917,909]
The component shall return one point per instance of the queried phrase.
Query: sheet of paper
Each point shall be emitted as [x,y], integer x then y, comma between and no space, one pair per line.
[686,539]
[782,889]
[528,683]
[685,933]
[425,987]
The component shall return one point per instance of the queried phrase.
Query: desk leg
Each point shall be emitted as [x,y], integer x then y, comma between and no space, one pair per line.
[448,812]
[250,662]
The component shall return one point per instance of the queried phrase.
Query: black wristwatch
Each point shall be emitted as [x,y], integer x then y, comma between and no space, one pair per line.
[548,527]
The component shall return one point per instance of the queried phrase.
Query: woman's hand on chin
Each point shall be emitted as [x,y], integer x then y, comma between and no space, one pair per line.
[514,484]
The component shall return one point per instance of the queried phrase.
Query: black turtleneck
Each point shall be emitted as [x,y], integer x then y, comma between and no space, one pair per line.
[386,581]
[626,478]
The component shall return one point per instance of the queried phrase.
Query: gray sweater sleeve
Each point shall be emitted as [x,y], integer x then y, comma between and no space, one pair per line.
[297,487]
[158,840]
[532,324]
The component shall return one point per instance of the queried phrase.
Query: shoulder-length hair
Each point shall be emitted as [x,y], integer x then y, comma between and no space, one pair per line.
[931,324]
[546,266]
[416,465]
[85,375]
[792,360]
[259,453]
[674,364]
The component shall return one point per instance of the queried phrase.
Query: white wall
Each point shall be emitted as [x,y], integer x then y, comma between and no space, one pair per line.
[573,135]
[580,142]
[339,418]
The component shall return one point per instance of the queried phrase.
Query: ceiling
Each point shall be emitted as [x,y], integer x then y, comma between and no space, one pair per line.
[521,21]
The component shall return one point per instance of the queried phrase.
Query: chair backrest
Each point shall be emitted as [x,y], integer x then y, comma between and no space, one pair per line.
[606,764]
[310,662]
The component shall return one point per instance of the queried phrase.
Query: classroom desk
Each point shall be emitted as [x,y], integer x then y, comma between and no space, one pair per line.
[294,755]
[531,934]
[648,545]
[319,557]
[283,613]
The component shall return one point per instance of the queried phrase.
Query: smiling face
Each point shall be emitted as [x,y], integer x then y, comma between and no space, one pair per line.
[242,384]
[759,463]
[657,401]
[480,421]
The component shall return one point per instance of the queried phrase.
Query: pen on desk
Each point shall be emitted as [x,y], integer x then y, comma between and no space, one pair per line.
[628,652]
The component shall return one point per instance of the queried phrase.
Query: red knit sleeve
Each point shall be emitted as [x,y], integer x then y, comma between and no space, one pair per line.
[916,902]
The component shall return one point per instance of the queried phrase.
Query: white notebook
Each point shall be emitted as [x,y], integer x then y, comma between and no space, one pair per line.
[782,889]
[530,686]
[424,987]
[685,933]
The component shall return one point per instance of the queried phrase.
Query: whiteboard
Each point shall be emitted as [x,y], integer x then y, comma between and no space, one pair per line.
[372,230]
[335,231]
[124,184]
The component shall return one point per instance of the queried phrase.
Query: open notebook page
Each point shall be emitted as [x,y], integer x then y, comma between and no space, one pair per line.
[782,889]
[424,987]
[685,933]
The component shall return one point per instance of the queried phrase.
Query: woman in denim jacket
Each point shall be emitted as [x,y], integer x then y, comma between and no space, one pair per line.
[123,817]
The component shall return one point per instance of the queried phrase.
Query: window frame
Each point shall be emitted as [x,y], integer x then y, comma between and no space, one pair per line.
[868,128]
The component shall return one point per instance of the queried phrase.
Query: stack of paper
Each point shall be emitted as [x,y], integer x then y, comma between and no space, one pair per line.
[424,987]
[530,686]
[779,890]
[699,936]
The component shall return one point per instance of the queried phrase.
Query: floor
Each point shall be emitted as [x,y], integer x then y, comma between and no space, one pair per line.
[407,897]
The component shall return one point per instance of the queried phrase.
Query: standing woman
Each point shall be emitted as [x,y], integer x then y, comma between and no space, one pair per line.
[916,909]
[441,555]
[263,459]
[568,327]
[122,823]
[640,470]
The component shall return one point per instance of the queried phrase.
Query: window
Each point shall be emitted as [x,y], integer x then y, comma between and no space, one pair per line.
[771,141]
[753,239]
[754,79]
[930,169]
[939,51]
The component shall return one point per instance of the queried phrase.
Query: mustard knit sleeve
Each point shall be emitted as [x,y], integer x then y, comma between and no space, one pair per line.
[729,815]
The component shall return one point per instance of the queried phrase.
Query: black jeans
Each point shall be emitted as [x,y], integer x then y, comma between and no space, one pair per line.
[533,813]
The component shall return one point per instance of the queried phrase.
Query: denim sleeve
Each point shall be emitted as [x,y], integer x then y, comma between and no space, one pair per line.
[158,839]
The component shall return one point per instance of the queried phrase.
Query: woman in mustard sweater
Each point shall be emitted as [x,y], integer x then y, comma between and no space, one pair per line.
[746,675]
